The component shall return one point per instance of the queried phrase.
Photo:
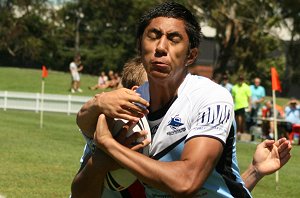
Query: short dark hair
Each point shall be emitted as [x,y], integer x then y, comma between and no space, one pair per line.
[172,10]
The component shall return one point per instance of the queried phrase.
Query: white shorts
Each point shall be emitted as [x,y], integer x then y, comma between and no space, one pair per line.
[75,77]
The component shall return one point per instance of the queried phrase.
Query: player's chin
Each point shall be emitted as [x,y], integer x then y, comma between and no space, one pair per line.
[159,75]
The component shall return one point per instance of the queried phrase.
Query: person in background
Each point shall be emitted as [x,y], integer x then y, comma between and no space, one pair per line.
[102,82]
[268,124]
[225,83]
[241,94]
[292,113]
[75,68]
[112,81]
[117,79]
[258,95]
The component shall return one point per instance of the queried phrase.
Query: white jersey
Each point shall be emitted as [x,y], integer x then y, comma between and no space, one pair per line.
[74,71]
[202,108]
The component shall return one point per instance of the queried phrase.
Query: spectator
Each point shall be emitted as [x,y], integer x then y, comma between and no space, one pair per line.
[258,95]
[112,81]
[117,80]
[75,68]
[102,82]
[225,83]
[292,113]
[268,124]
[242,97]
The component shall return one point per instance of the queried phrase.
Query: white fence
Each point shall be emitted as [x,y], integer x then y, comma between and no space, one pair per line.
[32,101]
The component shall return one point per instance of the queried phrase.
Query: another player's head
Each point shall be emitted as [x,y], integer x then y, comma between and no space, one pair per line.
[133,73]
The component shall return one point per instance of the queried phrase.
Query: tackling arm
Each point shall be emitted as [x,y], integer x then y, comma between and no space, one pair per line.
[192,169]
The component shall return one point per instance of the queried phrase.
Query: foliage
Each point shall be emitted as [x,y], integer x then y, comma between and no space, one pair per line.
[106,31]
[33,33]
[291,21]
[242,32]
[25,37]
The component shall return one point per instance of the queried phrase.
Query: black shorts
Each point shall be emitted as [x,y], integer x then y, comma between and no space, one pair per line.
[241,112]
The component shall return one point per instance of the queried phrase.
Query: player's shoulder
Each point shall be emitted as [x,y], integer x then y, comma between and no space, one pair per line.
[202,87]
[144,91]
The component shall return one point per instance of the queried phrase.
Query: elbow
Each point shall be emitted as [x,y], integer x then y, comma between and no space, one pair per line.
[75,190]
[187,189]
[78,120]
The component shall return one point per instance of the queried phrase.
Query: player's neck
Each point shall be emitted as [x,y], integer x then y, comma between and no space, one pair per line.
[162,95]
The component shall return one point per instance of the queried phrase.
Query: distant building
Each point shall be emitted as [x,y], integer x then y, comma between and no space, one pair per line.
[204,64]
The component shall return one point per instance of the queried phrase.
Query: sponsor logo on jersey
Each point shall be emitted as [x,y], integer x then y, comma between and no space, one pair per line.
[216,116]
[175,124]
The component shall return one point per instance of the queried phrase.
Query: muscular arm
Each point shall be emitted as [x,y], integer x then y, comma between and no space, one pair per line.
[89,180]
[114,104]
[192,169]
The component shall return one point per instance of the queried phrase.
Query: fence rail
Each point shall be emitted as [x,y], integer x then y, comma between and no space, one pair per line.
[32,101]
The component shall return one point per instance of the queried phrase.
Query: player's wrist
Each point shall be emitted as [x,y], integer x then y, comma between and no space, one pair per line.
[97,103]
[255,171]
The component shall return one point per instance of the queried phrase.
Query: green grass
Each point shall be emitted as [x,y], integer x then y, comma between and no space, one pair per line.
[42,162]
[38,162]
[29,80]
[289,175]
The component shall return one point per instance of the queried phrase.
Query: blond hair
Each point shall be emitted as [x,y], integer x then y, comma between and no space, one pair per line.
[133,73]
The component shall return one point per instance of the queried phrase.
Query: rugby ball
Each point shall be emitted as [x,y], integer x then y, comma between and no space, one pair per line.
[121,179]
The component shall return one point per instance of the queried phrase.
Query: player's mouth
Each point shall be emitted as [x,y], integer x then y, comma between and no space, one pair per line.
[160,67]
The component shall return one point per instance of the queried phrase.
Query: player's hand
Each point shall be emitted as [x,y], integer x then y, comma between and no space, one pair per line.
[103,134]
[270,156]
[120,104]
[134,140]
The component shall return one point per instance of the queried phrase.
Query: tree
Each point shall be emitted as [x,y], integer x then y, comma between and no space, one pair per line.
[26,36]
[107,31]
[243,34]
[291,20]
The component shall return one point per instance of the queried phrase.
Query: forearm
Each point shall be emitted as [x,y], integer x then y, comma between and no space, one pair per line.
[162,175]
[251,177]
[89,180]
[87,117]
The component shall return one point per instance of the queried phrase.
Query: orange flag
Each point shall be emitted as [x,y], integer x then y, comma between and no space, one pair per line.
[275,80]
[44,72]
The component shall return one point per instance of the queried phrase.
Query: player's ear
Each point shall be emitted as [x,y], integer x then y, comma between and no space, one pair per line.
[193,53]
[134,88]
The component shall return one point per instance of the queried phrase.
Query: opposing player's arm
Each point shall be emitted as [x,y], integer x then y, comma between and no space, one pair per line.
[89,180]
[115,104]
[181,178]
[269,157]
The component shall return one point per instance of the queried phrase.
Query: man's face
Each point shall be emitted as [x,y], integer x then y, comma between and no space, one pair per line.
[256,82]
[165,49]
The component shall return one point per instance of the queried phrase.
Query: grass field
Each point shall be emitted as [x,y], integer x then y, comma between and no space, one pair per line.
[29,80]
[42,162]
